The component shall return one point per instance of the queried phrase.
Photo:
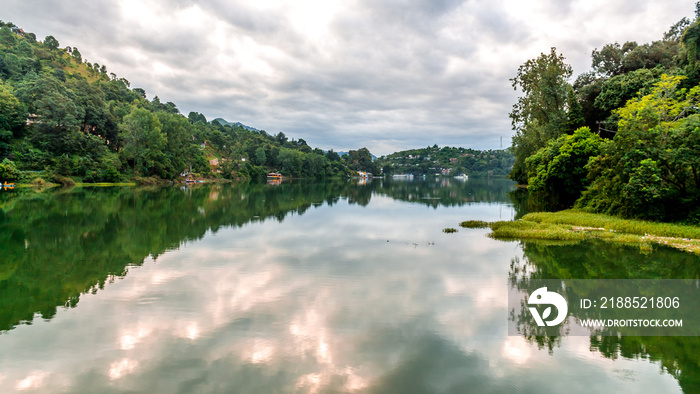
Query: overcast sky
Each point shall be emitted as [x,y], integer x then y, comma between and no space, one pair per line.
[384,74]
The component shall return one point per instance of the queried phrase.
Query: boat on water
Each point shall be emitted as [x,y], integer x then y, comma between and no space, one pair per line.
[274,175]
[462,177]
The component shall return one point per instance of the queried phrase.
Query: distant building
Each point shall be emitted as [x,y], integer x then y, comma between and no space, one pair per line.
[33,119]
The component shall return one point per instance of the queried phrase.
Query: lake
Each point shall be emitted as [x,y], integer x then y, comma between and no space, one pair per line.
[310,287]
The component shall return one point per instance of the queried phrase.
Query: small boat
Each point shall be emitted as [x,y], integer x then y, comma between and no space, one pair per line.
[274,175]
[462,177]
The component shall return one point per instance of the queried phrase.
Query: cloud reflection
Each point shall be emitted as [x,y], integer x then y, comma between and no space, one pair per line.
[318,303]
[121,368]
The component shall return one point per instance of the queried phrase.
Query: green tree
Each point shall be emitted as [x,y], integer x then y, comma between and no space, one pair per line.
[558,172]
[143,141]
[617,90]
[361,160]
[195,117]
[51,42]
[652,168]
[332,156]
[691,45]
[12,117]
[8,171]
[77,56]
[290,161]
[541,113]
[260,158]
[179,149]
[574,115]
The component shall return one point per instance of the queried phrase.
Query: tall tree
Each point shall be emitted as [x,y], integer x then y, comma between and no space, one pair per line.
[12,117]
[143,141]
[51,42]
[541,113]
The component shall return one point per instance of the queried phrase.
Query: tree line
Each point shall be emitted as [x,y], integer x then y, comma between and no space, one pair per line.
[623,138]
[63,116]
[432,160]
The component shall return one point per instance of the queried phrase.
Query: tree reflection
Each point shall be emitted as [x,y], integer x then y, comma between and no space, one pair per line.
[599,260]
[61,243]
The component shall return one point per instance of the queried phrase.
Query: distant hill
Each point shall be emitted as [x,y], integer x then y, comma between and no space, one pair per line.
[343,153]
[432,160]
[224,122]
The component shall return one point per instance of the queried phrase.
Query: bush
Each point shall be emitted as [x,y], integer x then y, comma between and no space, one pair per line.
[8,171]
[558,172]
[63,180]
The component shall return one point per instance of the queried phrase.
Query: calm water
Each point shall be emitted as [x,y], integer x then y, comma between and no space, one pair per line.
[302,287]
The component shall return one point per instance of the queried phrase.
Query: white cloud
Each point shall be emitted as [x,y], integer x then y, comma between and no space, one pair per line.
[387,75]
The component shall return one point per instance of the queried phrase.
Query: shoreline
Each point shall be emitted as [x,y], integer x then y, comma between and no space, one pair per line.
[574,226]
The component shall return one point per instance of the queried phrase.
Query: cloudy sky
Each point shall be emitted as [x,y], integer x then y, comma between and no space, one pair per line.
[343,74]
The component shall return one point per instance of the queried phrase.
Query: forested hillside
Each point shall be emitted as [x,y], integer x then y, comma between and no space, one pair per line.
[448,160]
[624,138]
[63,116]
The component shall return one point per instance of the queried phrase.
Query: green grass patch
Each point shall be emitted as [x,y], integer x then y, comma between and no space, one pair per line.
[574,226]
[449,230]
[520,229]
[105,184]
[576,217]
[474,224]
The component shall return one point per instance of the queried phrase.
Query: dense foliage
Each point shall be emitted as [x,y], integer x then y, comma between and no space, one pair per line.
[432,160]
[644,100]
[557,171]
[652,168]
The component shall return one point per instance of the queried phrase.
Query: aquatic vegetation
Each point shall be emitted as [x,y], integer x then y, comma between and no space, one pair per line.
[474,224]
[575,225]
[577,217]
[449,230]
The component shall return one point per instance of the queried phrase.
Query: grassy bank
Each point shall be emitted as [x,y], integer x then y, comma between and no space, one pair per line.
[575,225]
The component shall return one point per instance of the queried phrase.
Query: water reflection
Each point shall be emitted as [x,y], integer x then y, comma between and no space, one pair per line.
[598,260]
[301,287]
[60,244]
